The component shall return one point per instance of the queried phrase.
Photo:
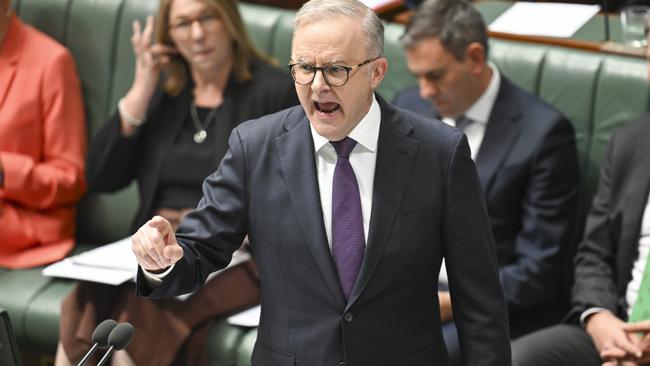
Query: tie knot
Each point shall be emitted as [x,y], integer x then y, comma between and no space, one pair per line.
[343,147]
[463,122]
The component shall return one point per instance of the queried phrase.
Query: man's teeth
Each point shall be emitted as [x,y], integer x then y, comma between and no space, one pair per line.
[326,107]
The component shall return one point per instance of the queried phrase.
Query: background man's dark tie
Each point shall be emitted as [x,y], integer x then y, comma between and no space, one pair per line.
[463,122]
[348,239]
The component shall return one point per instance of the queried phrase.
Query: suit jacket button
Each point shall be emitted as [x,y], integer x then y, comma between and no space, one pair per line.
[341,363]
[348,317]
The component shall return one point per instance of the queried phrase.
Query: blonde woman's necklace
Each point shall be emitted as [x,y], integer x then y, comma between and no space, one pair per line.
[201,127]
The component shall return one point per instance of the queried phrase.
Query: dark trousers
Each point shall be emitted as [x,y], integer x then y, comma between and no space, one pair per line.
[559,345]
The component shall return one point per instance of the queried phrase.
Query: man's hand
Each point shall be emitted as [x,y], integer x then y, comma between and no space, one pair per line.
[640,332]
[613,343]
[445,305]
[155,246]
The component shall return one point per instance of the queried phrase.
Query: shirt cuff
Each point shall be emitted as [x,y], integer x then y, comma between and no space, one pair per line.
[585,314]
[155,279]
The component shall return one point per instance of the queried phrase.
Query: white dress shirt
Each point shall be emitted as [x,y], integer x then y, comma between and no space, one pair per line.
[362,158]
[479,112]
[640,263]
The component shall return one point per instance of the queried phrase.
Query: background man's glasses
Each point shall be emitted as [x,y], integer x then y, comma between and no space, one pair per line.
[334,75]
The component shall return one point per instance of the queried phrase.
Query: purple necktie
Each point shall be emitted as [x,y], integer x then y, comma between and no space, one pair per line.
[348,241]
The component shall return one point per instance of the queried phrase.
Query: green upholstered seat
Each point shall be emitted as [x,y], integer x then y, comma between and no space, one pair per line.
[281,41]
[245,348]
[261,21]
[17,291]
[43,314]
[223,343]
[523,66]
[398,76]
[49,16]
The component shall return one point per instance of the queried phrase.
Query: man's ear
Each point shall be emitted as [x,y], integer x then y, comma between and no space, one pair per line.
[475,55]
[378,72]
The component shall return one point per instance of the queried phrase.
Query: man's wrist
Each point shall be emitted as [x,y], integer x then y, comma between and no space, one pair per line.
[584,317]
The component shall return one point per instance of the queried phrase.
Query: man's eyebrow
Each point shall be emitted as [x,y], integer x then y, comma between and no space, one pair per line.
[432,73]
[301,59]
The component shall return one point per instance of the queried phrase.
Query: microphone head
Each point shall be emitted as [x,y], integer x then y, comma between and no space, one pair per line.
[121,336]
[100,334]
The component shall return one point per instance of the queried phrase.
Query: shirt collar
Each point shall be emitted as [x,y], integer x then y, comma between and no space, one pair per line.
[480,111]
[365,133]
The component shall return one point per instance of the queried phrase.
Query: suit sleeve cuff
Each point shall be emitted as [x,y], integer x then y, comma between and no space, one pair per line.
[591,311]
[155,279]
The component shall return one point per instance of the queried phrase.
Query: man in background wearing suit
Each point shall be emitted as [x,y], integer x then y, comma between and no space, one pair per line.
[350,206]
[609,321]
[525,154]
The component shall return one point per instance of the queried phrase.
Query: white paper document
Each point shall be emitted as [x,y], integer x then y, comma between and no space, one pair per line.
[376,4]
[68,269]
[112,264]
[544,19]
[247,318]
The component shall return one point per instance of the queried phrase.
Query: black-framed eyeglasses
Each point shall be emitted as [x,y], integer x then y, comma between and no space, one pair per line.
[334,75]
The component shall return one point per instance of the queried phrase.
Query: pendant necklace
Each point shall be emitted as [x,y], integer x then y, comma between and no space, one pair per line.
[201,128]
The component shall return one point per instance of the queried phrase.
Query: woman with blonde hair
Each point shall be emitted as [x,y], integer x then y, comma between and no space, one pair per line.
[200,80]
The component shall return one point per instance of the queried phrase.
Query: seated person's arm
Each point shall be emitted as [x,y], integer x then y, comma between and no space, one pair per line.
[547,222]
[57,179]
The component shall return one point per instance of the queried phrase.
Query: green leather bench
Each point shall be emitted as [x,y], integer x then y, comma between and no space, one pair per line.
[598,92]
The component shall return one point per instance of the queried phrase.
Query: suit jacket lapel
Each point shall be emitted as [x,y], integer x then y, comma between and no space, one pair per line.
[395,157]
[297,161]
[7,74]
[637,198]
[10,56]
[499,138]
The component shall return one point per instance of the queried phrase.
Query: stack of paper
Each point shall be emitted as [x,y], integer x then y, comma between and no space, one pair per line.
[111,264]
[544,19]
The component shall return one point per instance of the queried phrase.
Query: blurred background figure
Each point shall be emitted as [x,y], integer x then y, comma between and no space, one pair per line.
[199,80]
[609,321]
[42,145]
[525,154]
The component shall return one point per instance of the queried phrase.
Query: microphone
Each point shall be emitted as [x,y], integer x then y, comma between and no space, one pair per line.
[99,338]
[119,338]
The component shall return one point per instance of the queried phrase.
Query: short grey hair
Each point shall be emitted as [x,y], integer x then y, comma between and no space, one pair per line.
[456,23]
[315,10]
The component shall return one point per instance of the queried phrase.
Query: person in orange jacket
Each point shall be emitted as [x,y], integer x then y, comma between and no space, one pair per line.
[42,145]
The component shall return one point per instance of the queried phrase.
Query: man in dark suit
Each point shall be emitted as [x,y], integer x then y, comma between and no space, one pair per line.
[607,266]
[349,205]
[525,154]
[608,323]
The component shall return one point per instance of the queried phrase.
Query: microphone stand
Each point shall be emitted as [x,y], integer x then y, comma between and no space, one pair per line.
[88,354]
[106,356]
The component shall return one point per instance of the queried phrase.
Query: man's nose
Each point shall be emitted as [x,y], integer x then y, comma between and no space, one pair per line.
[428,90]
[319,85]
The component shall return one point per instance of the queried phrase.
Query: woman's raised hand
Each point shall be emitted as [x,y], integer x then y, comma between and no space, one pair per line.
[149,60]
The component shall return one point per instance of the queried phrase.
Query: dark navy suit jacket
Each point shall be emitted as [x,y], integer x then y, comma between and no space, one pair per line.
[611,243]
[426,192]
[528,168]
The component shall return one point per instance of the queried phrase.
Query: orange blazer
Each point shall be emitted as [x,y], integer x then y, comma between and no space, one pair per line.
[42,148]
